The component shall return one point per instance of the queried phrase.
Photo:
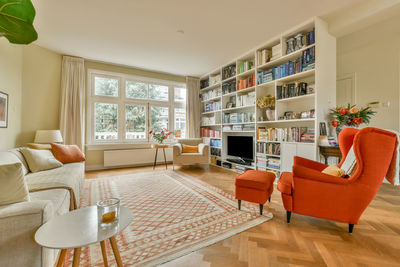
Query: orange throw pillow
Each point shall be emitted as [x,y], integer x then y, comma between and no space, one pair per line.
[67,153]
[189,149]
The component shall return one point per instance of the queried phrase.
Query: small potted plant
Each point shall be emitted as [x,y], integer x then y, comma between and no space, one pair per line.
[178,133]
[267,102]
[160,136]
[350,116]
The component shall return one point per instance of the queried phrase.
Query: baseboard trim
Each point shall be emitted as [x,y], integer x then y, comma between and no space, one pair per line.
[102,167]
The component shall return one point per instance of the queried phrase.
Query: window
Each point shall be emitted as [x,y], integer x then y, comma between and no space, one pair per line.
[123,108]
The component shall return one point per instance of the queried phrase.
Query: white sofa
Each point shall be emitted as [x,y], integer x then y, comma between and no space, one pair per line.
[19,221]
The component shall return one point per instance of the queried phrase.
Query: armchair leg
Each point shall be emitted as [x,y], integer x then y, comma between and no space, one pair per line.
[239,204]
[269,199]
[288,215]
[261,209]
[351,227]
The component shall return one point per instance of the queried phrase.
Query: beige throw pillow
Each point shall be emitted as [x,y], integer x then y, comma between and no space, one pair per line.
[13,187]
[334,170]
[40,160]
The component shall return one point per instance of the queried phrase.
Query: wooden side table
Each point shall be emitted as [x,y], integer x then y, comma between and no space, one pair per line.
[157,146]
[330,151]
[79,228]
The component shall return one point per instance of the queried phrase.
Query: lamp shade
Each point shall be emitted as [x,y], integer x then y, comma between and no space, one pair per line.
[48,136]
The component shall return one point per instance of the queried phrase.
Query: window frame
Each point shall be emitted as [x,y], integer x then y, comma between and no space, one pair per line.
[121,100]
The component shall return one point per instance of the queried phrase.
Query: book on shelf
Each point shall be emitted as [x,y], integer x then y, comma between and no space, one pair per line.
[263,56]
[246,83]
[206,132]
[291,90]
[268,148]
[245,66]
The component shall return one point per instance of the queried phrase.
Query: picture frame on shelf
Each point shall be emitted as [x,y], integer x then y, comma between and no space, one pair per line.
[3,110]
[322,128]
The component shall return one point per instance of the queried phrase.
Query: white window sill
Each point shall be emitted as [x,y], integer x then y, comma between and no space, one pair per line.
[116,146]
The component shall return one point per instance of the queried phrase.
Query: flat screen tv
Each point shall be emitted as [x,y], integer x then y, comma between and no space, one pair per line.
[241,146]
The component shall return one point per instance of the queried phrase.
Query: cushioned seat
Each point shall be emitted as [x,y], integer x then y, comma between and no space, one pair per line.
[254,186]
[285,183]
[260,180]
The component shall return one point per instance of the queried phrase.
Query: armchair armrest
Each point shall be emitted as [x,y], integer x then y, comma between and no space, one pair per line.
[312,174]
[177,149]
[203,149]
[299,161]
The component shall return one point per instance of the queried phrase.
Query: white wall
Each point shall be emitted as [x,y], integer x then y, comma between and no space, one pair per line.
[373,54]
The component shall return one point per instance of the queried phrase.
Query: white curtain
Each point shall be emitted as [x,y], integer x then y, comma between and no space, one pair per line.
[72,121]
[193,106]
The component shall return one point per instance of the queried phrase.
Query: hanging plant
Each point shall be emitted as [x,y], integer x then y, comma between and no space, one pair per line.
[16,21]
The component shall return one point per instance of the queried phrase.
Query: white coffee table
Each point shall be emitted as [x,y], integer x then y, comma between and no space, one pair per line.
[79,228]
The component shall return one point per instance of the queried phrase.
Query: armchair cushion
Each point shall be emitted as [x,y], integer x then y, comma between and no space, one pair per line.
[190,149]
[334,170]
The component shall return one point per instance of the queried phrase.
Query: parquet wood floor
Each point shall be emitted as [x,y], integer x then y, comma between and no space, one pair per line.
[306,241]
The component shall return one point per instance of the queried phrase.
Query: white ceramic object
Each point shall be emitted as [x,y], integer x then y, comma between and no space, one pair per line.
[79,228]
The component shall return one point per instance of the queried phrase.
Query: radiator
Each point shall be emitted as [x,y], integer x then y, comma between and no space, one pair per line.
[135,157]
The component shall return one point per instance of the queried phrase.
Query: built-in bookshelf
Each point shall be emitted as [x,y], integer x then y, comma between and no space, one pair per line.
[298,68]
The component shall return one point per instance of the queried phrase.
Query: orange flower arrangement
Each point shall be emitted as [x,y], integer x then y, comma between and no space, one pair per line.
[351,116]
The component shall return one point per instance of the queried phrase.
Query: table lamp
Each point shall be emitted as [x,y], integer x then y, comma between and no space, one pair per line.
[48,136]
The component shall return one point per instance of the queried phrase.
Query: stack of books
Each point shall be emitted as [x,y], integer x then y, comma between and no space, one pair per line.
[292,134]
[208,107]
[246,83]
[264,76]
[276,52]
[274,163]
[245,66]
[206,132]
[263,56]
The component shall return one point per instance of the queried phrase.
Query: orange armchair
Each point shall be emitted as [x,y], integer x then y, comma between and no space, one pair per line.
[307,191]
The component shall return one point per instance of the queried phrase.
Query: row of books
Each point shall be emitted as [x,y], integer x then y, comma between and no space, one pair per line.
[292,134]
[215,151]
[308,59]
[246,99]
[264,162]
[246,83]
[291,90]
[210,120]
[214,106]
[211,94]
[268,148]
[238,117]
[245,66]
[310,37]
[263,56]
[228,87]
[207,132]
[204,83]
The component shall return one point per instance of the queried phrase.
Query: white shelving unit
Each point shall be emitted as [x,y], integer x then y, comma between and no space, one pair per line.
[322,77]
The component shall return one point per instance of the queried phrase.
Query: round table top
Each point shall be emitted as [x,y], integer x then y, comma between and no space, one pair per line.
[79,228]
[159,146]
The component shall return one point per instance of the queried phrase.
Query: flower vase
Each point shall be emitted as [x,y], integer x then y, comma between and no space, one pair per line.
[270,113]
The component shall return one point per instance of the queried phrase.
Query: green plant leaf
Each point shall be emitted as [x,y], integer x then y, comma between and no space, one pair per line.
[16,21]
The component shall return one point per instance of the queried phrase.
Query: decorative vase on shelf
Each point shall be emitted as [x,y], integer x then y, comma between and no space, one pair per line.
[290,45]
[299,41]
[270,113]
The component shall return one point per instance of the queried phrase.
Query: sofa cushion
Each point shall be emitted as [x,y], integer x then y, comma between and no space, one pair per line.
[13,187]
[40,160]
[39,146]
[13,156]
[60,199]
[260,180]
[285,183]
[67,153]
[70,175]
[190,149]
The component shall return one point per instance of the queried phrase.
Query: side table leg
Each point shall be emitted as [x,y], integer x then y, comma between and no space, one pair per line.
[61,258]
[155,159]
[116,252]
[77,257]
[104,252]
[165,160]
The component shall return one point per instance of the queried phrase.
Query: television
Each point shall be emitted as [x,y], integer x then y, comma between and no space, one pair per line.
[241,146]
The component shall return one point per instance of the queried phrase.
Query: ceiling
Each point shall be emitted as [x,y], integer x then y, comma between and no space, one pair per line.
[148,34]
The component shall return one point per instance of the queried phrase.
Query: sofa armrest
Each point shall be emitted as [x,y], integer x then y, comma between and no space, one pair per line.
[177,149]
[18,224]
[309,163]
[203,149]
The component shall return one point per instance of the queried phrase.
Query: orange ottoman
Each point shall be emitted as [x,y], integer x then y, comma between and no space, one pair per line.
[254,186]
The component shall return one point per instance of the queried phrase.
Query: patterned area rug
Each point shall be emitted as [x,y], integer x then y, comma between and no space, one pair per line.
[173,214]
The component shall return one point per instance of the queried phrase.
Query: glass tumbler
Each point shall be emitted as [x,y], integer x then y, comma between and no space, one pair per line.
[108,211]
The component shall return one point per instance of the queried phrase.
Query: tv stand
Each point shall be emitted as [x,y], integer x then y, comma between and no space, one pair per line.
[240,161]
